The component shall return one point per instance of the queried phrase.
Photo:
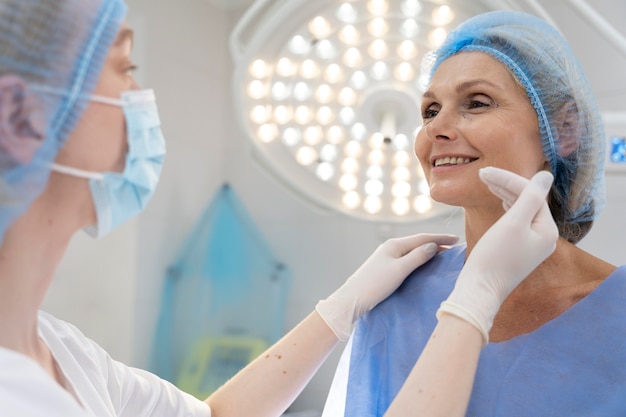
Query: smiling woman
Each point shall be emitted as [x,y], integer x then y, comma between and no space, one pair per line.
[505,90]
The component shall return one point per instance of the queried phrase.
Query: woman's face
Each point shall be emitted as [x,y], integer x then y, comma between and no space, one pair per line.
[475,115]
[98,142]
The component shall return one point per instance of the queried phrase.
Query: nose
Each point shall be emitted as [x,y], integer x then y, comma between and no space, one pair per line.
[442,127]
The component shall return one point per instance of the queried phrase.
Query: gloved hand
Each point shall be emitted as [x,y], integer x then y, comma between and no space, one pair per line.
[377,278]
[510,250]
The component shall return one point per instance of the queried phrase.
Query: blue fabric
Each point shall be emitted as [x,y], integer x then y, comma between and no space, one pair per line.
[570,366]
[226,281]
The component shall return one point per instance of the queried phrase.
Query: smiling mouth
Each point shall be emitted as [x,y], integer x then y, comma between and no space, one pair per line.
[448,161]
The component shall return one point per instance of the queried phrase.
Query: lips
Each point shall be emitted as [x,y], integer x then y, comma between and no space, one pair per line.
[452,160]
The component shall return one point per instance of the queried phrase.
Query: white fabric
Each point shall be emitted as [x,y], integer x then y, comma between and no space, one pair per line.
[104,387]
[336,401]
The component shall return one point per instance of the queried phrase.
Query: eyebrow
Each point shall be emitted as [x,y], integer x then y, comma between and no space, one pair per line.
[124,35]
[466,85]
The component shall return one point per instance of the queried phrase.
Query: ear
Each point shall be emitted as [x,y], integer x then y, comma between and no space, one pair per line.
[566,122]
[22,125]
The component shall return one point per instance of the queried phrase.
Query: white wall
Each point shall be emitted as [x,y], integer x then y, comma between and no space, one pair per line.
[111,288]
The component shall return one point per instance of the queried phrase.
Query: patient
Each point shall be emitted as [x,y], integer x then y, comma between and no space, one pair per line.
[506,90]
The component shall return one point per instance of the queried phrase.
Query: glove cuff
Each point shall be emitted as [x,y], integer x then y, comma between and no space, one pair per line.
[464,314]
[338,316]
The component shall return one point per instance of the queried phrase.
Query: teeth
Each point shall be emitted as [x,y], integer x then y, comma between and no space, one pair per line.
[451,161]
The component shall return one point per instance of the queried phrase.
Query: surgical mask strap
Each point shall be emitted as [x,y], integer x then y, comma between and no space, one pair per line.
[75,172]
[59,92]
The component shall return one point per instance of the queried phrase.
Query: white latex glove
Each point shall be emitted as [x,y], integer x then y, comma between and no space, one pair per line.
[510,250]
[377,278]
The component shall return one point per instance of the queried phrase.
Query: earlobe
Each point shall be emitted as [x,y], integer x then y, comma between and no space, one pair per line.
[22,126]
[567,123]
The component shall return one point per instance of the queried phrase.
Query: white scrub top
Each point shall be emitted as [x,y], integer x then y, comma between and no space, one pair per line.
[104,387]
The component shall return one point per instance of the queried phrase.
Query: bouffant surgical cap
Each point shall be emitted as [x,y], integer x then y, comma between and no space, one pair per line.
[56,44]
[571,128]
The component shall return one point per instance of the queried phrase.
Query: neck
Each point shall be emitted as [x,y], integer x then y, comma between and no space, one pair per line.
[29,255]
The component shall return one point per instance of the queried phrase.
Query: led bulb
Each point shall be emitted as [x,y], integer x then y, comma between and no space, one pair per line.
[309,69]
[377,7]
[283,114]
[328,153]
[358,80]
[378,27]
[352,58]
[401,158]
[353,149]
[260,114]
[292,136]
[422,204]
[374,187]
[325,115]
[325,49]
[380,71]
[443,15]
[351,200]
[312,135]
[350,166]
[301,91]
[346,13]
[285,67]
[372,204]
[257,89]
[376,157]
[349,35]
[374,172]
[404,72]
[407,50]
[280,91]
[258,68]
[348,182]
[303,115]
[401,174]
[400,142]
[358,131]
[335,134]
[401,189]
[333,73]
[325,171]
[400,206]
[378,49]
[346,115]
[347,97]
[320,27]
[306,155]
[411,8]
[267,132]
[324,94]
[409,28]
[299,46]
[436,37]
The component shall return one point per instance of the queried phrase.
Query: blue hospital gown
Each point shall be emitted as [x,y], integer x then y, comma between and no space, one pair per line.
[574,365]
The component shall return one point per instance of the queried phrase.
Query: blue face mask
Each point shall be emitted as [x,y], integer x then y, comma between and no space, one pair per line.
[119,196]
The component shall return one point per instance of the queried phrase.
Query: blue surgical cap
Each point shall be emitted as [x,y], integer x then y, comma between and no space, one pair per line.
[59,44]
[543,63]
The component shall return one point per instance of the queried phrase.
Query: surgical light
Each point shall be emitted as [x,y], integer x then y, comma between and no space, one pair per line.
[329,93]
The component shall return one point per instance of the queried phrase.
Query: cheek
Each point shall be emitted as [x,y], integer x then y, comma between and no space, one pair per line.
[421,147]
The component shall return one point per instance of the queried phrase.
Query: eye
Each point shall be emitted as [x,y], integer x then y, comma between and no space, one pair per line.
[430,112]
[474,104]
[129,70]
[478,102]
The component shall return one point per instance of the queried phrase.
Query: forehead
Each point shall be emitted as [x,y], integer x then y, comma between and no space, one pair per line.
[466,66]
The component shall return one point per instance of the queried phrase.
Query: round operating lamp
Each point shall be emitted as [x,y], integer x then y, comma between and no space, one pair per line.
[329,92]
